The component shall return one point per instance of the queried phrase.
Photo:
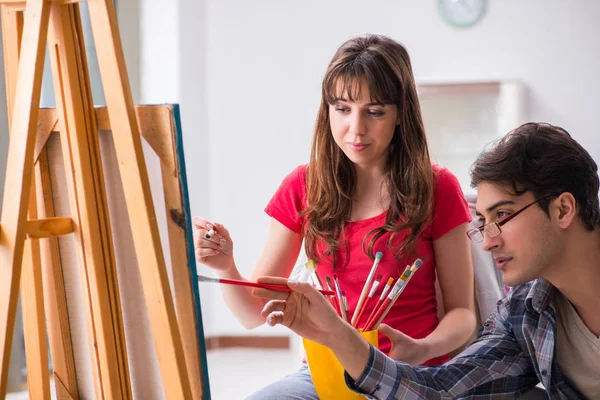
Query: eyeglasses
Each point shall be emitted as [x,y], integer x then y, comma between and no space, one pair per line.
[493,228]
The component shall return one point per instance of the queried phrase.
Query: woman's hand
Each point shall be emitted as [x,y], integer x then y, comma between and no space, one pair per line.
[215,252]
[404,348]
[304,310]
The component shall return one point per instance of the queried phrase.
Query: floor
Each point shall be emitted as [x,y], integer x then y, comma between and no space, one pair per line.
[18,396]
[238,372]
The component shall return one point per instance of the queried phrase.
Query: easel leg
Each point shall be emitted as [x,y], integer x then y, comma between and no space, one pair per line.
[34,324]
[161,309]
[53,287]
[88,204]
[19,172]
[184,297]
[55,301]
[12,29]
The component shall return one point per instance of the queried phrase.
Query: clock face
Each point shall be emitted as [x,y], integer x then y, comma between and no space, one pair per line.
[462,13]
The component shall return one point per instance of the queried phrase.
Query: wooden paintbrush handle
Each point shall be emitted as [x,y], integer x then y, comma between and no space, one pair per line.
[269,286]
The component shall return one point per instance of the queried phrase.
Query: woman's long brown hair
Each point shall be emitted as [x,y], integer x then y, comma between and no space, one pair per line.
[331,179]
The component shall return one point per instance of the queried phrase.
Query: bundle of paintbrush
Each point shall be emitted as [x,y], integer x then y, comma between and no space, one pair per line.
[388,297]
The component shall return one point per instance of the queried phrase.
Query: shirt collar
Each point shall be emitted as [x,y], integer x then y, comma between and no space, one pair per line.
[539,297]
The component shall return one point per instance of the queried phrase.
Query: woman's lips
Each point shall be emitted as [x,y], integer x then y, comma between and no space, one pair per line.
[358,146]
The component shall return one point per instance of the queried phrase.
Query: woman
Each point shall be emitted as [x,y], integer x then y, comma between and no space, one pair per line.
[369,187]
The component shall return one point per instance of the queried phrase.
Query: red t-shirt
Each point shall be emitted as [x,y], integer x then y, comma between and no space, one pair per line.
[415,312]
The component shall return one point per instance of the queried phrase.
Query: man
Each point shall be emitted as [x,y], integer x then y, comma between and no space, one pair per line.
[540,218]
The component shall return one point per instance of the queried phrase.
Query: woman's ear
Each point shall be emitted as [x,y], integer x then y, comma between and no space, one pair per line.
[565,209]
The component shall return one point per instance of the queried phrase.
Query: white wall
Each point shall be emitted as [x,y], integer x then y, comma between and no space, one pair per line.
[159,51]
[265,60]
[172,69]
[128,15]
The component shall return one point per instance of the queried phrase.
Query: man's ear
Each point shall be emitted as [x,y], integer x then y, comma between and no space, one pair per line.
[564,208]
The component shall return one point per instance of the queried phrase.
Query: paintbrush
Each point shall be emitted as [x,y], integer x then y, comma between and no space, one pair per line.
[369,297]
[310,267]
[338,291]
[384,292]
[366,287]
[270,286]
[337,303]
[403,280]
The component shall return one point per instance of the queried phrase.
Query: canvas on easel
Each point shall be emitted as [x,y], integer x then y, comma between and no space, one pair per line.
[163,148]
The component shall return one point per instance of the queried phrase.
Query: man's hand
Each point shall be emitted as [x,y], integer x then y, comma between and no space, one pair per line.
[304,310]
[405,348]
[310,314]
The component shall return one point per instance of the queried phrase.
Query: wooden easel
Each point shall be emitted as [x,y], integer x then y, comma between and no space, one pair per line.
[57,23]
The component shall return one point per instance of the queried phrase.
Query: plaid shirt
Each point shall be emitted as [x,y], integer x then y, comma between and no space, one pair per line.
[514,351]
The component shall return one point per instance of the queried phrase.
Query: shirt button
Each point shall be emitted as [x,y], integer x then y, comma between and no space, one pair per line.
[544,372]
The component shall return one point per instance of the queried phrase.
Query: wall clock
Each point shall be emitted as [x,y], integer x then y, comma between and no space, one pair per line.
[462,13]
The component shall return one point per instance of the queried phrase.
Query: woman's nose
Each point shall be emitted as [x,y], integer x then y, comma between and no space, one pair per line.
[356,124]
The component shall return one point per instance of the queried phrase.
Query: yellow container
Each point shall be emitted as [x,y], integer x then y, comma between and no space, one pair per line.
[327,373]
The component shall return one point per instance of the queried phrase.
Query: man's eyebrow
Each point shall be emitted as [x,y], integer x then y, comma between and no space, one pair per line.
[494,206]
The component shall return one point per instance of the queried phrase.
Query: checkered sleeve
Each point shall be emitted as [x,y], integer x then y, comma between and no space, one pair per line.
[495,366]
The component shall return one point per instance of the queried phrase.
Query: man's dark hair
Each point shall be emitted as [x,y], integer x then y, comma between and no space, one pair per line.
[545,160]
